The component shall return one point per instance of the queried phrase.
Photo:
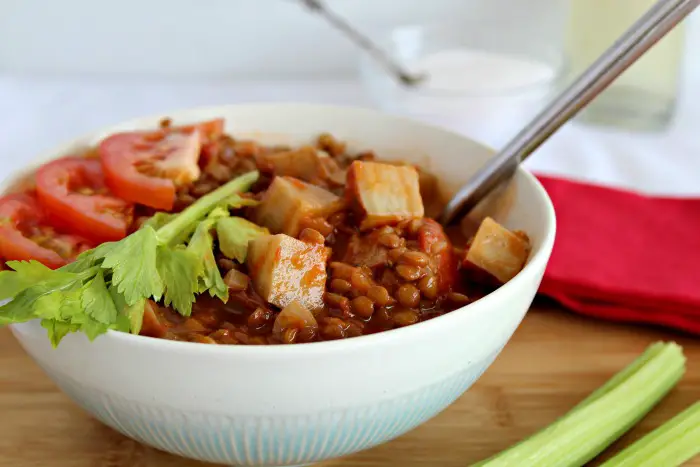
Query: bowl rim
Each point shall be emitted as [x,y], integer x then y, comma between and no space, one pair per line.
[536,262]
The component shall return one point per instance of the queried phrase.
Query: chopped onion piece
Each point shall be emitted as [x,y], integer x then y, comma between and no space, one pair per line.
[293,316]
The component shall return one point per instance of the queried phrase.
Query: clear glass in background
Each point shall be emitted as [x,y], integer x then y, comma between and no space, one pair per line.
[644,97]
[486,78]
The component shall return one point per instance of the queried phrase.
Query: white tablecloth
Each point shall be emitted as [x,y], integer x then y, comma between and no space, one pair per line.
[38,113]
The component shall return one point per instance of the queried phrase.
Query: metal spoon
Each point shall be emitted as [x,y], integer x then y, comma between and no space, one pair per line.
[365,43]
[655,24]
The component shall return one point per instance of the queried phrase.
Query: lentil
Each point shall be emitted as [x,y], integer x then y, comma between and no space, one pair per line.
[428,286]
[307,334]
[342,270]
[408,296]
[396,254]
[409,273]
[340,286]
[360,282]
[202,339]
[318,224]
[405,317]
[379,295]
[260,319]
[312,236]
[337,301]
[257,340]
[363,307]
[201,188]
[390,240]
[414,226]
[458,298]
[226,264]
[414,258]
[334,328]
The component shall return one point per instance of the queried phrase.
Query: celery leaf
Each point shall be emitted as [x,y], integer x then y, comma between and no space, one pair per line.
[234,233]
[180,270]
[133,262]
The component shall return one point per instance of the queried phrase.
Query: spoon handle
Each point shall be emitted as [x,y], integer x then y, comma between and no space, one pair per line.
[655,24]
[365,43]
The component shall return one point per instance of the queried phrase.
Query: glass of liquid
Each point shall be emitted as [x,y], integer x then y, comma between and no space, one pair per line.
[485,79]
[644,96]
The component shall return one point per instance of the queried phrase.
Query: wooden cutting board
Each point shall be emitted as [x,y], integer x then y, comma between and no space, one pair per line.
[554,360]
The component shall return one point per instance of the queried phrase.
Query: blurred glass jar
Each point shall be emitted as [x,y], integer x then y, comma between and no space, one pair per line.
[485,79]
[644,97]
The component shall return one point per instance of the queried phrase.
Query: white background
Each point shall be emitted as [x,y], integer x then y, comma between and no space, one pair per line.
[221,38]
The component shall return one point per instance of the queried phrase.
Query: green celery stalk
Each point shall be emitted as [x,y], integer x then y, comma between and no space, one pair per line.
[195,212]
[602,417]
[670,445]
[651,352]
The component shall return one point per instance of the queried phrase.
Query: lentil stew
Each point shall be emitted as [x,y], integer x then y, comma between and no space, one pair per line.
[328,244]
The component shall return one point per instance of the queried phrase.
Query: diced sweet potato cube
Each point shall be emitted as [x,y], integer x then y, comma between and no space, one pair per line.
[498,251]
[383,194]
[331,172]
[284,269]
[306,163]
[303,163]
[289,200]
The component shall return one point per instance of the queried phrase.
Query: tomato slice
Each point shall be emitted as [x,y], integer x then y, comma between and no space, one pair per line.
[210,130]
[147,167]
[26,235]
[433,241]
[73,193]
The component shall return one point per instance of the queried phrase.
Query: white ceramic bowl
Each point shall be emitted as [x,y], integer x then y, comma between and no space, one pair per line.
[286,405]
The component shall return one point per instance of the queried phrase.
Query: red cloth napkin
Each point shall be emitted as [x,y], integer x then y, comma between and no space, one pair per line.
[623,256]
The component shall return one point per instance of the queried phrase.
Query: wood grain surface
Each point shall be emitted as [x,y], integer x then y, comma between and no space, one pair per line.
[554,360]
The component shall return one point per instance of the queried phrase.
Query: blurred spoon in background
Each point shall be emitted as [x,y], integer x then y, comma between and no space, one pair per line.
[365,43]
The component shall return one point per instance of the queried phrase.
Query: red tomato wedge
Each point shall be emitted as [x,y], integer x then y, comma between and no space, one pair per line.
[73,193]
[433,240]
[210,130]
[25,234]
[147,167]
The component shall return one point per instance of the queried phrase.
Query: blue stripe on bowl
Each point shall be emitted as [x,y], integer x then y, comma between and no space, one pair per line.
[265,440]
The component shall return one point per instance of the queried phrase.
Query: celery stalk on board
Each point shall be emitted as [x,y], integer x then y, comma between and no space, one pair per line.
[107,287]
[602,417]
[670,445]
